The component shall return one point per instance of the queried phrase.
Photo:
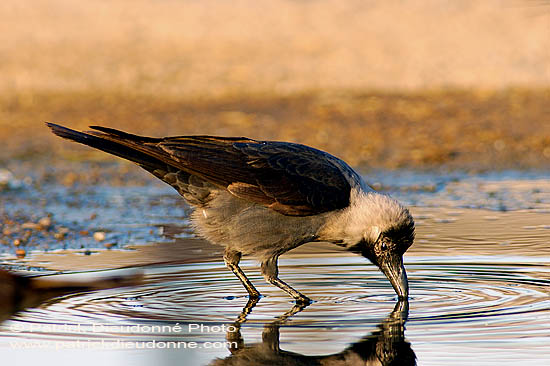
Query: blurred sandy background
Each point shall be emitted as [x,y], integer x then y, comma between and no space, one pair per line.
[381,83]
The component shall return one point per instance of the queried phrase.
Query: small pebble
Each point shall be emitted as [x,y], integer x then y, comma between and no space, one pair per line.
[109,245]
[45,222]
[30,225]
[99,236]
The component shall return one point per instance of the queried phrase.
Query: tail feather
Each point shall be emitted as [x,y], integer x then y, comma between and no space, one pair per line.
[113,142]
[124,135]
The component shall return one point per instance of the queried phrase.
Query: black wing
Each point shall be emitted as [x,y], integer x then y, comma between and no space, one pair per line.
[289,178]
[292,179]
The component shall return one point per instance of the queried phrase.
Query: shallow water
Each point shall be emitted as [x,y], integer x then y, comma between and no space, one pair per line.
[479,279]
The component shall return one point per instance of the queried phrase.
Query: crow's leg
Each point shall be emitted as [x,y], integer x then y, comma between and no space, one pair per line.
[271,275]
[232,258]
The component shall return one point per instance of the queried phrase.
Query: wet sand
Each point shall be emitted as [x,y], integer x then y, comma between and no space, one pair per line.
[446,232]
[91,213]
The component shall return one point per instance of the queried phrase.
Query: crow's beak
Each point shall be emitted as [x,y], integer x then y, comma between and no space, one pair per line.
[394,270]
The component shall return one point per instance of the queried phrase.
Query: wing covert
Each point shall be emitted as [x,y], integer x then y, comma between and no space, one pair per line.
[292,179]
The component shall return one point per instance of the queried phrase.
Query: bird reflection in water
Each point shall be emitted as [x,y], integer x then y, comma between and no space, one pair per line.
[19,292]
[386,346]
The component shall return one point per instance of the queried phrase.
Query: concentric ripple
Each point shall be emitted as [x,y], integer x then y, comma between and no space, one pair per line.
[452,298]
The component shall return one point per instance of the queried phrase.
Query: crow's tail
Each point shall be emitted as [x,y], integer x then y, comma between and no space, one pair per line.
[138,149]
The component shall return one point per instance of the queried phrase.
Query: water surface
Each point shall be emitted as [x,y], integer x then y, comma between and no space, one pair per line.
[479,275]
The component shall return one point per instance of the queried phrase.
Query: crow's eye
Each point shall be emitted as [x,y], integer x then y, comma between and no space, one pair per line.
[384,245]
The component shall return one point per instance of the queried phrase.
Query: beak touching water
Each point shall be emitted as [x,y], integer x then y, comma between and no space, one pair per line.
[394,270]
